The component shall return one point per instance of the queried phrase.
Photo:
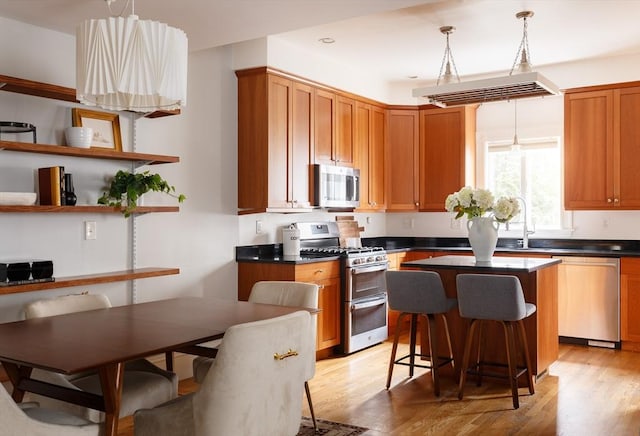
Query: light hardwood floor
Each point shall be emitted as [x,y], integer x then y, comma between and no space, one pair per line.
[588,391]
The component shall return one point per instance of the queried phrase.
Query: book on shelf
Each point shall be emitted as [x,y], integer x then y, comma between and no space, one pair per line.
[51,186]
[27,282]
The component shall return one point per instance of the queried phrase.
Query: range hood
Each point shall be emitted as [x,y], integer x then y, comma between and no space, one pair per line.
[509,87]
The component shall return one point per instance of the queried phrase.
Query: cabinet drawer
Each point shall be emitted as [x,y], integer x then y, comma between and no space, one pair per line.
[313,272]
[630,265]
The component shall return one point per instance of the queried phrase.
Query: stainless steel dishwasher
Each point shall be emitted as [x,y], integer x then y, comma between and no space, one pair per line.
[589,300]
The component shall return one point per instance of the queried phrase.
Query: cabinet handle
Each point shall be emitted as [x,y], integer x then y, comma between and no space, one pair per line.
[319,271]
[616,200]
[320,286]
[417,204]
[609,200]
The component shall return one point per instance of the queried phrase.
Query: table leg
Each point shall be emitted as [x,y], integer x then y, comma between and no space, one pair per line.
[111,378]
[15,374]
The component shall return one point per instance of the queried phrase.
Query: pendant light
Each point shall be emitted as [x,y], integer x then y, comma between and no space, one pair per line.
[447,60]
[521,82]
[516,143]
[131,64]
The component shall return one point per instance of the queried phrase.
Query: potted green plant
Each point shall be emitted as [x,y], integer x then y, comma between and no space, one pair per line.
[127,187]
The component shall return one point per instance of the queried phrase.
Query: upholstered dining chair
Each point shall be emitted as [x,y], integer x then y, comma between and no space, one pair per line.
[281,293]
[251,389]
[29,419]
[144,385]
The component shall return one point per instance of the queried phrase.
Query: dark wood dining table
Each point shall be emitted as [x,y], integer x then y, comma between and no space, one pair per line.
[103,340]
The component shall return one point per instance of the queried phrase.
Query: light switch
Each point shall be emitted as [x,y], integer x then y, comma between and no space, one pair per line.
[90,230]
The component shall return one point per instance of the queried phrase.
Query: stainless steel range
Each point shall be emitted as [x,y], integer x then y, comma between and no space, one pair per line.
[363,290]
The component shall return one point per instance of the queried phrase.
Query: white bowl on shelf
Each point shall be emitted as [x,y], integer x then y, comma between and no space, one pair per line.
[80,137]
[17,198]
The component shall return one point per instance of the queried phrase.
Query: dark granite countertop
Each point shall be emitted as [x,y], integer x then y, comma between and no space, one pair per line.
[272,253]
[497,264]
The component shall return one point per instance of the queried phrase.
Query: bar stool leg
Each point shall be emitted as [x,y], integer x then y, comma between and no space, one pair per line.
[448,336]
[433,352]
[480,354]
[511,360]
[467,354]
[527,358]
[396,338]
[412,344]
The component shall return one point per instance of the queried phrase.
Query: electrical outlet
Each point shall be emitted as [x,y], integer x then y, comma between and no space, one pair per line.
[90,230]
[258,227]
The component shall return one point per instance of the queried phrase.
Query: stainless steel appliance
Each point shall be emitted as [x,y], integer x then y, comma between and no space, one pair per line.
[363,285]
[336,186]
[589,300]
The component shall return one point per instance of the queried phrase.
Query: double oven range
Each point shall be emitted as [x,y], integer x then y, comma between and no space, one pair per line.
[363,287]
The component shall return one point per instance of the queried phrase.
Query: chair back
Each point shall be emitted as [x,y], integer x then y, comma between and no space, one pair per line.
[490,296]
[15,422]
[65,304]
[417,292]
[254,384]
[283,293]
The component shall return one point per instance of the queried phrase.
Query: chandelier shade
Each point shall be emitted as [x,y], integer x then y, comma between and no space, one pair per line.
[131,64]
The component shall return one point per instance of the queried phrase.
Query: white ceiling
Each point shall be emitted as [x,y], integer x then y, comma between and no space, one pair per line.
[379,35]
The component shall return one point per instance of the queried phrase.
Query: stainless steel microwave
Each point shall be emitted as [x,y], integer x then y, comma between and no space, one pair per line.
[336,187]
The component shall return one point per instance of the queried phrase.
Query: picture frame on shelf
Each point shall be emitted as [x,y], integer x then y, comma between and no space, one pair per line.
[105,125]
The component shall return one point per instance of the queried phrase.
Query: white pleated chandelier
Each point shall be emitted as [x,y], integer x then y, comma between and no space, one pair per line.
[131,64]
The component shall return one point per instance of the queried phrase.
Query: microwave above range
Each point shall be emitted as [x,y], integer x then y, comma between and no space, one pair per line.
[336,187]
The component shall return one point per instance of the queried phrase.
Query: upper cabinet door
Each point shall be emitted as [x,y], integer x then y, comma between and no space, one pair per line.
[447,151]
[325,122]
[627,142]
[345,121]
[588,150]
[299,184]
[403,159]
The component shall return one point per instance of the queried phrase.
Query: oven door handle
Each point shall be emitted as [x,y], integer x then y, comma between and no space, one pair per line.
[368,269]
[377,301]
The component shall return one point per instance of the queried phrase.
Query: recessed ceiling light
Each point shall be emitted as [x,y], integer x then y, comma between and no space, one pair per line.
[412,77]
[327,40]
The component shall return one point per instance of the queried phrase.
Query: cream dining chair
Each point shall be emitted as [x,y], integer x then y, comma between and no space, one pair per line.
[281,293]
[28,419]
[251,389]
[145,385]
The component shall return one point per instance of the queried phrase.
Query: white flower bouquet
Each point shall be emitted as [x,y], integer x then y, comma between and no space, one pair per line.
[478,202]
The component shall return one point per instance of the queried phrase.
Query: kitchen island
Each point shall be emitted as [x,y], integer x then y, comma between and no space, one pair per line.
[539,280]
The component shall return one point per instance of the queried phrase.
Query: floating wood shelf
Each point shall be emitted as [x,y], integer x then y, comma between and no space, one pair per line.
[84,209]
[40,89]
[91,279]
[94,153]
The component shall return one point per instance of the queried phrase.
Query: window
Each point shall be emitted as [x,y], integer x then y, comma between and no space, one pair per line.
[532,171]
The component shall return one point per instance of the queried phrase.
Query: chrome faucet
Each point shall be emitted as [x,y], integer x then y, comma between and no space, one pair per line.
[525,230]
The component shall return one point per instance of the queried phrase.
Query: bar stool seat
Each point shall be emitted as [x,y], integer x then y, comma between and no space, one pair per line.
[419,294]
[499,298]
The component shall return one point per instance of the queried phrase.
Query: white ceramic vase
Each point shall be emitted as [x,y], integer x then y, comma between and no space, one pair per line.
[483,237]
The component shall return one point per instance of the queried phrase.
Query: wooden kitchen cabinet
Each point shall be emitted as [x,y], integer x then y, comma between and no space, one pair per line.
[602,138]
[325,274]
[630,303]
[447,154]
[403,160]
[275,128]
[370,124]
[334,128]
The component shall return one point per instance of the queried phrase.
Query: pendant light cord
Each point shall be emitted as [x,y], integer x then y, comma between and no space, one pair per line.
[523,49]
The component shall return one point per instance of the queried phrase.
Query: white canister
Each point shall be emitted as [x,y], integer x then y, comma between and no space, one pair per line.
[291,242]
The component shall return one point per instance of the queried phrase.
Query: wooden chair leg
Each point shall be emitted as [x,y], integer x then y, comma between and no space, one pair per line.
[412,344]
[511,360]
[527,358]
[433,352]
[467,355]
[313,415]
[480,354]
[396,338]
[448,336]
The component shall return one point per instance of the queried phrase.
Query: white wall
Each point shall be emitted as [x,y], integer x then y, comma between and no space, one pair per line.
[199,240]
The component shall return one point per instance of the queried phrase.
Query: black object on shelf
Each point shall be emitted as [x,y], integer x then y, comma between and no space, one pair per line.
[14,127]
[69,193]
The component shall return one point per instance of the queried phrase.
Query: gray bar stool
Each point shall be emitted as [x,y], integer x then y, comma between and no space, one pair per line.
[488,297]
[419,293]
